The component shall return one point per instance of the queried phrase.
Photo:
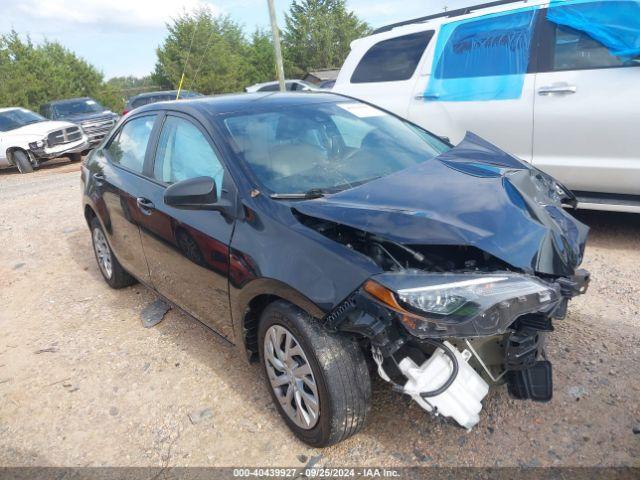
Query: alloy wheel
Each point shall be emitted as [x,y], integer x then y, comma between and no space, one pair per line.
[103,253]
[291,377]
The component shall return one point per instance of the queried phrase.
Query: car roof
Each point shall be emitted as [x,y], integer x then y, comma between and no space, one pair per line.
[68,100]
[272,82]
[435,23]
[8,109]
[160,92]
[239,102]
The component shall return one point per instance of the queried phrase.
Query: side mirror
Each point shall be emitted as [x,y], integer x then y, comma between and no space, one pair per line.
[193,194]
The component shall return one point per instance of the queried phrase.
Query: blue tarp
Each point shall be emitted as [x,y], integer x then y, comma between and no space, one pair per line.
[614,23]
[482,58]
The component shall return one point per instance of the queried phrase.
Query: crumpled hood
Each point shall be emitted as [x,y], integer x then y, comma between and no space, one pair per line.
[476,195]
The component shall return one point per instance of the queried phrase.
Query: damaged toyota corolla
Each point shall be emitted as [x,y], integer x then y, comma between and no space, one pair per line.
[323,236]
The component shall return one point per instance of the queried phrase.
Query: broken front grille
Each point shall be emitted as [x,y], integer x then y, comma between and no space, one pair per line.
[66,135]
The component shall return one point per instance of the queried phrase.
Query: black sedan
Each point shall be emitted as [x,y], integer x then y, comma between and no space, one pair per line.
[321,234]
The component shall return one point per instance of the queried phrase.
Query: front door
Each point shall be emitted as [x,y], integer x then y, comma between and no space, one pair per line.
[586,113]
[478,78]
[188,250]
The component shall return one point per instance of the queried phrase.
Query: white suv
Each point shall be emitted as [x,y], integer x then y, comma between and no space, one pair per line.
[557,84]
[26,139]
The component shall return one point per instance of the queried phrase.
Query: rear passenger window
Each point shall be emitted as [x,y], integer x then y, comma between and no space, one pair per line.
[392,60]
[184,152]
[129,146]
[574,50]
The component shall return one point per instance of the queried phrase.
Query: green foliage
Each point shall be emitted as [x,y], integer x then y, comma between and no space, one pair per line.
[318,33]
[261,57]
[32,75]
[212,51]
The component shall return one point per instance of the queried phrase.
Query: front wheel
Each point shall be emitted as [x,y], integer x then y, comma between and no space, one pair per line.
[318,380]
[75,157]
[21,160]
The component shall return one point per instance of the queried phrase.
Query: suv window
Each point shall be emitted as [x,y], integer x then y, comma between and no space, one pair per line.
[575,50]
[393,59]
[129,146]
[486,46]
[184,152]
[270,88]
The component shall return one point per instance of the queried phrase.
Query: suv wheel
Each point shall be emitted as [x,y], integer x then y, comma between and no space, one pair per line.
[318,380]
[113,273]
[21,160]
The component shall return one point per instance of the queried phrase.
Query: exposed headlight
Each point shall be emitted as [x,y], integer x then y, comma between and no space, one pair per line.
[462,304]
[38,145]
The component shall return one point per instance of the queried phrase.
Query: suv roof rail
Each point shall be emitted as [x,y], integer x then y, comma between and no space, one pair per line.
[450,13]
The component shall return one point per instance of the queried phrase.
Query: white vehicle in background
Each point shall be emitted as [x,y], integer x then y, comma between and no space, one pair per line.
[290,85]
[27,139]
[536,78]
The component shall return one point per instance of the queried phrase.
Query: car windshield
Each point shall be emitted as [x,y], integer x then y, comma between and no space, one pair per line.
[17,118]
[327,147]
[77,107]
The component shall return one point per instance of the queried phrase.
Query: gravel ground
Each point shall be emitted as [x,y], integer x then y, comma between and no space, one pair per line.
[82,383]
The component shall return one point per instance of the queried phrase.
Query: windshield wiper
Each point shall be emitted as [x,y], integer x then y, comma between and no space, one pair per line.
[308,195]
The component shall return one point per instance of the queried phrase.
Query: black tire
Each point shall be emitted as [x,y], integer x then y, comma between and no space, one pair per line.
[118,276]
[21,161]
[339,370]
[75,157]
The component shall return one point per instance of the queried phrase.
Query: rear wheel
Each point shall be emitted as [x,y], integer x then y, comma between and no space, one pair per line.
[75,157]
[318,380]
[21,161]
[113,273]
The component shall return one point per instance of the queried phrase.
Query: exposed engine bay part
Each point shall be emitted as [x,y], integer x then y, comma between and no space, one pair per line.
[444,384]
[534,383]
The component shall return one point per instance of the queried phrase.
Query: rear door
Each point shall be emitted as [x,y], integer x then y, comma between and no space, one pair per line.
[478,77]
[188,250]
[118,176]
[586,113]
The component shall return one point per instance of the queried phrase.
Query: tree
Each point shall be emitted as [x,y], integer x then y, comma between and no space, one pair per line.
[318,34]
[212,51]
[32,75]
[261,57]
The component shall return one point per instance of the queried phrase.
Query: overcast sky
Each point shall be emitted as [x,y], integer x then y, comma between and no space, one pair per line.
[120,36]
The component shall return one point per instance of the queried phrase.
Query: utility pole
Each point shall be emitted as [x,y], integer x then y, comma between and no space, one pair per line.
[276,45]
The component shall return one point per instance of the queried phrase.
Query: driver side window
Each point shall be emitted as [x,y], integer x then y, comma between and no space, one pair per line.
[184,152]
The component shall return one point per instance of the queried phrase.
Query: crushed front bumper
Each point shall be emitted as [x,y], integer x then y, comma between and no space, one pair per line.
[511,351]
[61,150]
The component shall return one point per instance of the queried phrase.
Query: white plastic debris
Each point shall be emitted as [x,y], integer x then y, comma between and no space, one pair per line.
[461,401]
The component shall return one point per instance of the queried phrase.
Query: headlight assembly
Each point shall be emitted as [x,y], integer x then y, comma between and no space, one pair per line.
[437,305]
[37,145]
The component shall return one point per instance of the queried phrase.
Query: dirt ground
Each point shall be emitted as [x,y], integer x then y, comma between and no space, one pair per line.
[82,383]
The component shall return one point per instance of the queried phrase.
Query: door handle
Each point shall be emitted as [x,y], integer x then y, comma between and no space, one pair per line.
[557,89]
[145,206]
[99,178]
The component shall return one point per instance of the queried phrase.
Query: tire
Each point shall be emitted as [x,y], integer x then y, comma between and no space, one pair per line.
[112,272]
[338,371]
[21,160]
[75,157]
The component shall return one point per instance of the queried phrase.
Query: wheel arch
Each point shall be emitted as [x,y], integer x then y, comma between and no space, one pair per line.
[11,150]
[252,300]
[89,214]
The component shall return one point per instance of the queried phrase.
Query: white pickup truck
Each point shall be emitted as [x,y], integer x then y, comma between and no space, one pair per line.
[27,139]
